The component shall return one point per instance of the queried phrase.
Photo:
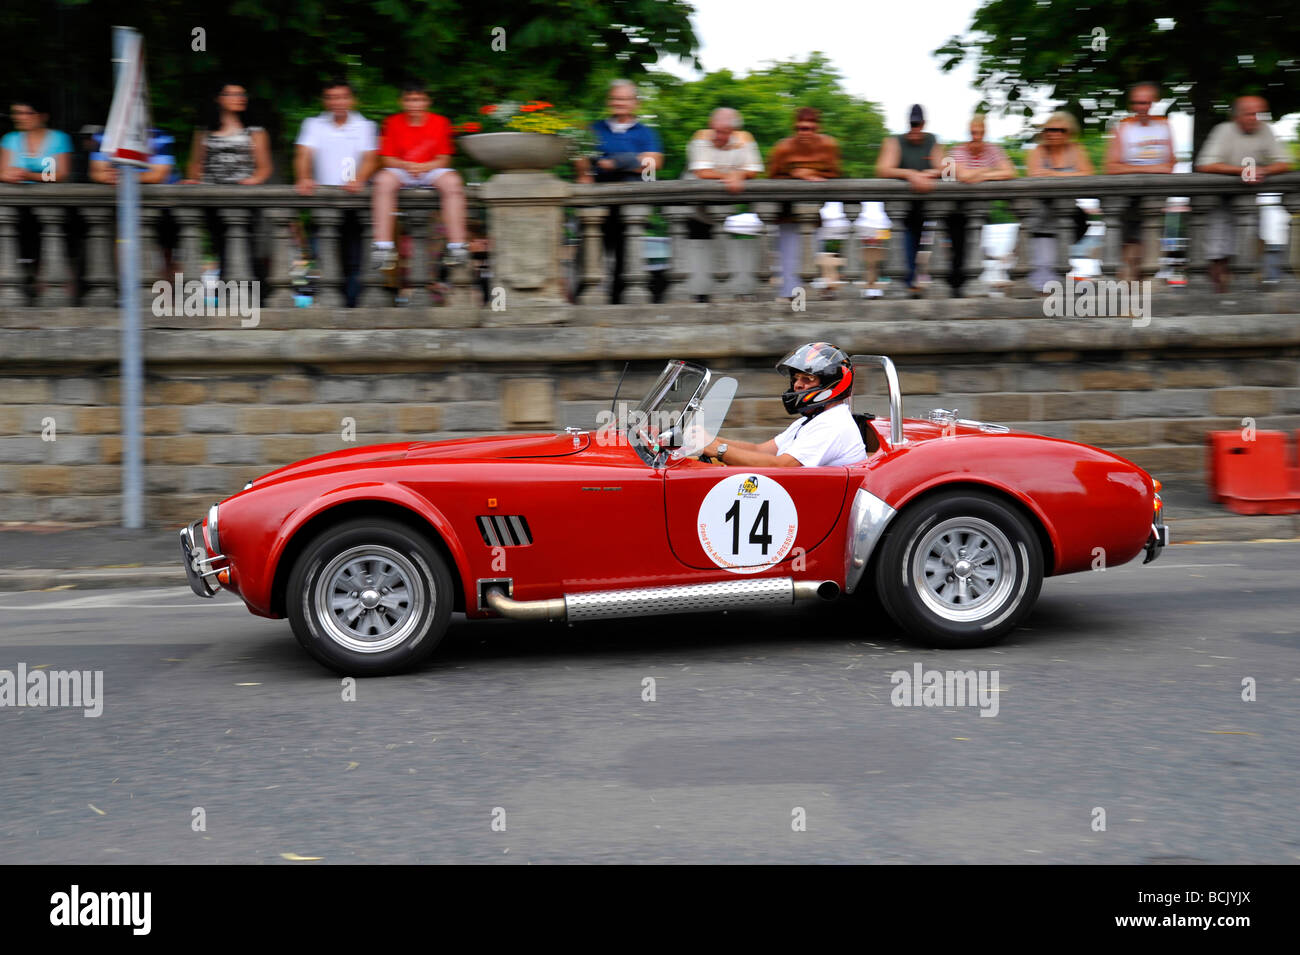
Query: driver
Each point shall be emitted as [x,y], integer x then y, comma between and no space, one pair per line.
[821,384]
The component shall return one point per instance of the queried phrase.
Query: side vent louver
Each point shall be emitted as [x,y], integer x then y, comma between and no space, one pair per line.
[504,530]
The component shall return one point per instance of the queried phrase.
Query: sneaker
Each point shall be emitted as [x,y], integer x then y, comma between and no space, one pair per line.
[457,254]
[385,260]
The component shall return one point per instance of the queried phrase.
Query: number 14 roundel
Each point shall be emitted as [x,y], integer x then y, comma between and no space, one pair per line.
[747,523]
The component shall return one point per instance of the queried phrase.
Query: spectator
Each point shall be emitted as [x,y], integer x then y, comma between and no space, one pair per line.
[974,161]
[34,153]
[626,150]
[338,148]
[415,151]
[808,155]
[230,153]
[1141,143]
[915,156]
[1058,154]
[1242,146]
[160,170]
[723,152]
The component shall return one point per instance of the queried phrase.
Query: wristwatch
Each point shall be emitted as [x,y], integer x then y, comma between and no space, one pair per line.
[722,449]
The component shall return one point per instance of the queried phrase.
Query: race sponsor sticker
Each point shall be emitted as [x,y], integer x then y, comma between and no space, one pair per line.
[747,523]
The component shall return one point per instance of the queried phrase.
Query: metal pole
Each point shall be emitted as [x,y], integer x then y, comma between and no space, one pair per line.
[132,375]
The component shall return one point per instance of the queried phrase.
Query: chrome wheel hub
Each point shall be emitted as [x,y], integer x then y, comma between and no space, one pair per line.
[963,569]
[370,598]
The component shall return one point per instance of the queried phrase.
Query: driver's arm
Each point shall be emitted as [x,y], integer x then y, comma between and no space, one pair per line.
[747,455]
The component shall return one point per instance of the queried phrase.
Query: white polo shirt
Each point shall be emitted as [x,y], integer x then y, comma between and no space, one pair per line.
[829,439]
[336,150]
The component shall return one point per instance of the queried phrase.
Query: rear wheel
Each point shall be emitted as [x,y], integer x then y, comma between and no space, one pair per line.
[369,597]
[961,569]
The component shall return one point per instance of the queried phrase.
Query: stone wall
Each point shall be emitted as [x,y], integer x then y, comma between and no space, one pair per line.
[223,406]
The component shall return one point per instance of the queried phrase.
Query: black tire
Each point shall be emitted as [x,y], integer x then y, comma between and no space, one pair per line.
[393,629]
[935,593]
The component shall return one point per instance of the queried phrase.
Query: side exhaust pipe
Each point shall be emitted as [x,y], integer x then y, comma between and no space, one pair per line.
[650,601]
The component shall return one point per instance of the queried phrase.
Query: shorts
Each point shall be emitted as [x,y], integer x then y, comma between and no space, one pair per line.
[410,181]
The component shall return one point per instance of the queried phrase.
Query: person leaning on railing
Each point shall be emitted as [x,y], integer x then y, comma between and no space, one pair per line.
[1140,143]
[915,157]
[724,152]
[808,155]
[627,151]
[230,153]
[161,169]
[973,161]
[1246,147]
[1058,154]
[34,153]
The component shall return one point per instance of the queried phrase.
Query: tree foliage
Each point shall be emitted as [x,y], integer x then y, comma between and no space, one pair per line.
[469,53]
[1088,52]
[767,99]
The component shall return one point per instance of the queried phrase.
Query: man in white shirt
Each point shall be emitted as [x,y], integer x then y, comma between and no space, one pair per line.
[338,148]
[821,386]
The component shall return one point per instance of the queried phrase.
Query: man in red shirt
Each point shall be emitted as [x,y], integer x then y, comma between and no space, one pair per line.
[415,150]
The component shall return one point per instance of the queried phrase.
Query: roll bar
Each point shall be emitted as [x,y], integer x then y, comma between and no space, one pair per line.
[895,394]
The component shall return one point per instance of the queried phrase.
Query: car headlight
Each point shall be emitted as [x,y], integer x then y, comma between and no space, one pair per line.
[212,530]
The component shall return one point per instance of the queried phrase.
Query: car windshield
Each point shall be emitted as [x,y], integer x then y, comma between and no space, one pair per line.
[681,413]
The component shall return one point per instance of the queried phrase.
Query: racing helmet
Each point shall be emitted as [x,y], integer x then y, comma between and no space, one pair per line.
[833,371]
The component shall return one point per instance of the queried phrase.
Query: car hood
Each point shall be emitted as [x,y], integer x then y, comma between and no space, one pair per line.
[504,446]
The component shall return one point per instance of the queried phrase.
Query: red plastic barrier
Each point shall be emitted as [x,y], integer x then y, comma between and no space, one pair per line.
[1253,476]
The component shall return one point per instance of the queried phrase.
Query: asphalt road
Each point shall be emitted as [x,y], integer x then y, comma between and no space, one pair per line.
[1123,692]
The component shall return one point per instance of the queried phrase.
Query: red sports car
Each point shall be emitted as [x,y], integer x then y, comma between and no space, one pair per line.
[953,523]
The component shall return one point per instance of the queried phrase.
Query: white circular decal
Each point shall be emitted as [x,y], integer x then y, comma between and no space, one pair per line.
[747,523]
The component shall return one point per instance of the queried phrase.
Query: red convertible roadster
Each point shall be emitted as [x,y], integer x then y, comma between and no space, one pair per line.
[952,523]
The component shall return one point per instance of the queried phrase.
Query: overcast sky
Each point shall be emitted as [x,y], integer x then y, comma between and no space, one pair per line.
[881,48]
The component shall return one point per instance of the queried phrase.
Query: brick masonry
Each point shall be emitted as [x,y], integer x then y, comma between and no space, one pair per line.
[211,427]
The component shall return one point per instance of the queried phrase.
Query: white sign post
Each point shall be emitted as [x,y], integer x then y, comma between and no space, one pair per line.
[126,143]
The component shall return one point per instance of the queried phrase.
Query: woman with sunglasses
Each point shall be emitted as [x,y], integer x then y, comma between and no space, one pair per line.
[808,155]
[1058,154]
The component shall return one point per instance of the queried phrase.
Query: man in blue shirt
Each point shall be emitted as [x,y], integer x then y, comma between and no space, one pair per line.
[627,151]
[161,170]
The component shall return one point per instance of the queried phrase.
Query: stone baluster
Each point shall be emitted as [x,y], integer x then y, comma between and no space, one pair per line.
[1245,229]
[1063,213]
[239,264]
[936,264]
[151,269]
[677,274]
[720,248]
[637,277]
[189,222]
[977,213]
[1025,210]
[895,264]
[767,212]
[11,292]
[851,253]
[275,291]
[327,220]
[808,216]
[54,261]
[1291,202]
[1113,208]
[416,224]
[1199,218]
[100,267]
[1151,232]
[593,255]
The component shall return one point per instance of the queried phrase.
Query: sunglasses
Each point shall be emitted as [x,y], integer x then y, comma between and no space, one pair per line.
[1141,102]
[1054,129]
[805,129]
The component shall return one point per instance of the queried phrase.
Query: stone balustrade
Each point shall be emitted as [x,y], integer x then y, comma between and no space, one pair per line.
[531,265]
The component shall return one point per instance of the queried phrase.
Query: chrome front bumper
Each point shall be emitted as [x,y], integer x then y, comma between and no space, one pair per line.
[1157,541]
[198,565]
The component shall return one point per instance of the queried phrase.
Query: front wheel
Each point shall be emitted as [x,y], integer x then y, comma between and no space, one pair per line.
[959,570]
[369,597]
